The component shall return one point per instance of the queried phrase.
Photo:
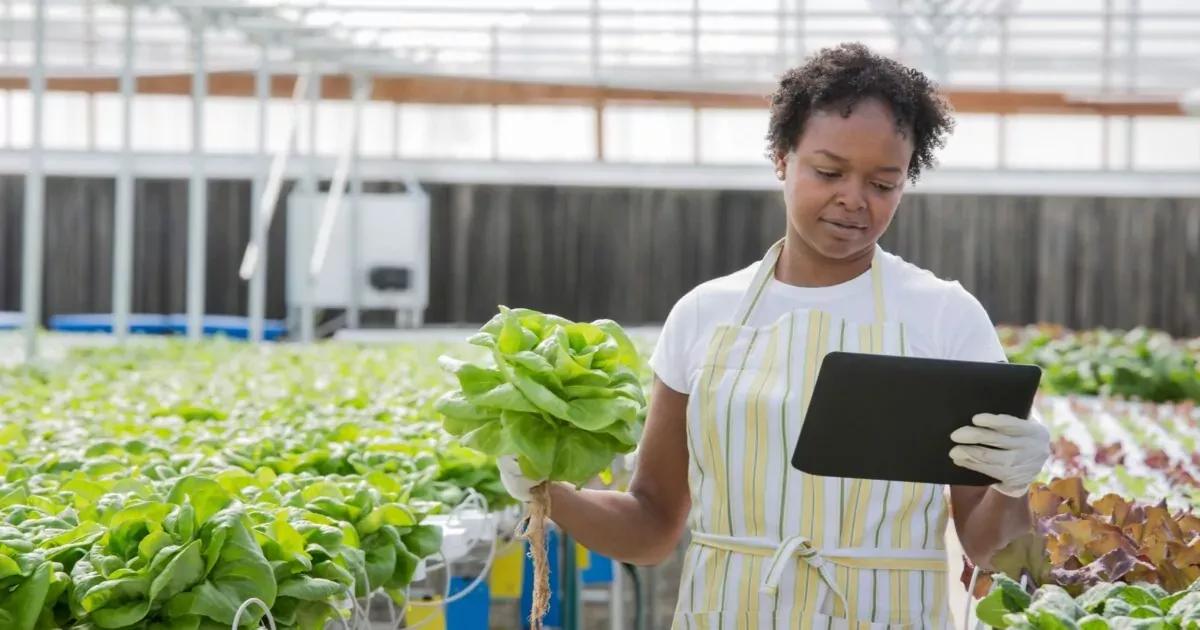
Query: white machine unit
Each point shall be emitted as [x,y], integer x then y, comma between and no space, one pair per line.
[378,259]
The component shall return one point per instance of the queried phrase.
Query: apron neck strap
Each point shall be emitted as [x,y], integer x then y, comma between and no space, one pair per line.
[766,271]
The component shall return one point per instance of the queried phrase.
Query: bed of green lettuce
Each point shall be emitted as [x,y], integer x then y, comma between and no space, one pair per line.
[160,486]
[1141,363]
[1105,606]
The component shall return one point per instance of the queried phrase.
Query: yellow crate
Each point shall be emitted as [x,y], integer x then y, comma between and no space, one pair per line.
[583,557]
[428,617]
[508,570]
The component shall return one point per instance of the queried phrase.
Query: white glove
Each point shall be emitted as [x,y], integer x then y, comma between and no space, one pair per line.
[1021,448]
[515,482]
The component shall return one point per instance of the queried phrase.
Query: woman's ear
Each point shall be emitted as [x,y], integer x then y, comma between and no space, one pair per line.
[780,165]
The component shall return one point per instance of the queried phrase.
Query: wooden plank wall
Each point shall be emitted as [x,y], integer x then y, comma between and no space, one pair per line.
[629,254]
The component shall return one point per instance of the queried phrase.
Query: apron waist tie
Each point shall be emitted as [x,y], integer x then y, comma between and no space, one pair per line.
[801,547]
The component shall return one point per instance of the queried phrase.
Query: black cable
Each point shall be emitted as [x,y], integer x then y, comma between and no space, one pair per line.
[639,610]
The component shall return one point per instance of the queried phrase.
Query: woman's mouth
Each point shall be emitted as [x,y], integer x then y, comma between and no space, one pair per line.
[844,227]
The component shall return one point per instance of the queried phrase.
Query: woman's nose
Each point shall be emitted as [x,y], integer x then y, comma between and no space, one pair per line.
[851,196]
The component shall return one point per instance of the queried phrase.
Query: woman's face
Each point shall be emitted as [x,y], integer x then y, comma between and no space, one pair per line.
[844,179]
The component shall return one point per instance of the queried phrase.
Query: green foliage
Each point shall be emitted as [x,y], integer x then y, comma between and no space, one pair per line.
[1142,364]
[159,486]
[1105,606]
[564,397]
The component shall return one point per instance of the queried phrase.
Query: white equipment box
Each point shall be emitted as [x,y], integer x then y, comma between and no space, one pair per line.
[378,259]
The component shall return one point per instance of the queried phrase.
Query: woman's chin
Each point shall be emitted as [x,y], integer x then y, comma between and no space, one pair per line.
[839,249]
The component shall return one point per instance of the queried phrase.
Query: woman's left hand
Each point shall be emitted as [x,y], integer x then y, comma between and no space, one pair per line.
[1019,450]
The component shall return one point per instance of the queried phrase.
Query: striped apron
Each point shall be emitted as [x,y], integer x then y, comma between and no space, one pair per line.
[772,547]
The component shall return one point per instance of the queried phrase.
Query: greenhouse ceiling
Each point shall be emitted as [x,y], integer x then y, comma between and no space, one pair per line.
[1056,55]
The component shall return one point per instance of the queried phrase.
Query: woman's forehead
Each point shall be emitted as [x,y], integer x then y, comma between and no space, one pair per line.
[869,130]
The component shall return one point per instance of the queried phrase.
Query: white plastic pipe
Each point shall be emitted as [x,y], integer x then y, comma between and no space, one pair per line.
[337,187]
[270,193]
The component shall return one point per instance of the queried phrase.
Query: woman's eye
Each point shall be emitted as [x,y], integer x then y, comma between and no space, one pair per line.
[829,174]
[884,187]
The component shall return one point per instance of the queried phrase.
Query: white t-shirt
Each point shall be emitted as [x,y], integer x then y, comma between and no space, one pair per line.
[941,318]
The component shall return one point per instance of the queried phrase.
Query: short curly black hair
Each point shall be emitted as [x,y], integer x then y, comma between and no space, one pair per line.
[840,76]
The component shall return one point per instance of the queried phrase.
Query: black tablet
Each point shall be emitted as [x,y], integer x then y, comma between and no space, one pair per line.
[887,417]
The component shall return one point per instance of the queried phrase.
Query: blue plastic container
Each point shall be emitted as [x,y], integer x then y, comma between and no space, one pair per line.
[553,618]
[139,323]
[472,612]
[233,326]
[599,571]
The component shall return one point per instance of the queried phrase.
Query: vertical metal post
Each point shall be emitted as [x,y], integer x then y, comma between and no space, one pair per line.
[1131,86]
[361,94]
[1002,119]
[123,232]
[198,193]
[781,36]
[89,17]
[494,111]
[1106,71]
[397,122]
[801,49]
[696,66]
[307,317]
[8,95]
[35,188]
[697,71]
[616,597]
[258,233]
[594,23]
[596,62]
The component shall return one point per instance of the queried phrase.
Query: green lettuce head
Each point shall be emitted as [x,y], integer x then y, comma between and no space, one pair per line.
[564,397]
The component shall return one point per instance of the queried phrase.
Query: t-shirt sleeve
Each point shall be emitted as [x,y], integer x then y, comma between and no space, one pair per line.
[669,360]
[969,333]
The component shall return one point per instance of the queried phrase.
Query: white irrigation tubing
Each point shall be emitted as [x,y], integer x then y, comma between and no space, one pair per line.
[970,599]
[274,184]
[473,500]
[481,504]
[345,623]
[237,618]
[966,625]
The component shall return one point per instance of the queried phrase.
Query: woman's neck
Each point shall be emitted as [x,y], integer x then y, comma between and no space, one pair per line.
[799,265]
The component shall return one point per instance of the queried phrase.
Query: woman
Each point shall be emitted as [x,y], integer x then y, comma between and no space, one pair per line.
[772,547]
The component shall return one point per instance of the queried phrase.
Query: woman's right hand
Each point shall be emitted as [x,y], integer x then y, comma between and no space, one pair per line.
[655,507]
[515,482]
